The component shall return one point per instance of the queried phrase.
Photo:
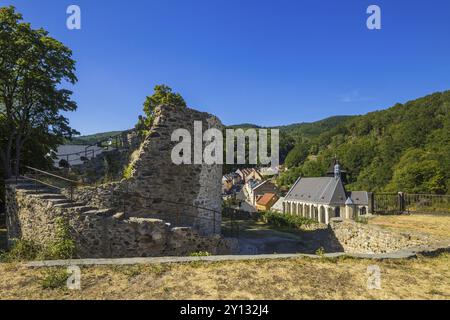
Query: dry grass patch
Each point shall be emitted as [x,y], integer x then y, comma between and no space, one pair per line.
[344,278]
[435,225]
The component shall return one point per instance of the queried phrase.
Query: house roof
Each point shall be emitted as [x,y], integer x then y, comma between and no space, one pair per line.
[268,171]
[245,172]
[230,176]
[326,190]
[266,198]
[360,197]
[255,184]
[278,206]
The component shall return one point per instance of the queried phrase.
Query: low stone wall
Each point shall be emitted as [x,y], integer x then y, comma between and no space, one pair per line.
[102,233]
[362,238]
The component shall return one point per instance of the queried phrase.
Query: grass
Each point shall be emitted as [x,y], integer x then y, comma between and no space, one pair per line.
[303,278]
[435,225]
[54,278]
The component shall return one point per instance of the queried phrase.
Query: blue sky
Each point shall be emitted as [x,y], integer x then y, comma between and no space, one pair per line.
[259,61]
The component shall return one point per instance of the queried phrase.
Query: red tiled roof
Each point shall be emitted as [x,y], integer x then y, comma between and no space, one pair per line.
[266,198]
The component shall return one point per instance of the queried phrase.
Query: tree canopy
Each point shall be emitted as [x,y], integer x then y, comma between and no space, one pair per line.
[404,148]
[162,95]
[33,67]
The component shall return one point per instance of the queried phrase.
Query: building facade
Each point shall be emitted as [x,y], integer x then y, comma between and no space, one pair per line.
[323,198]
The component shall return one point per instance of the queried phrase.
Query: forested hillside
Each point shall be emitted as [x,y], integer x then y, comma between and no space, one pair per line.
[404,148]
[93,138]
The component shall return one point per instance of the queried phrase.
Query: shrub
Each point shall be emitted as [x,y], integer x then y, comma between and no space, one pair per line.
[54,279]
[128,171]
[62,248]
[22,250]
[362,220]
[320,252]
[200,254]
[285,220]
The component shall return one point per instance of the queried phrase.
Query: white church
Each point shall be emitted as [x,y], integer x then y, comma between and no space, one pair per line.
[324,198]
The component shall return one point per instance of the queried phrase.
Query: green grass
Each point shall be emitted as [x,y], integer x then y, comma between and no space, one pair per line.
[54,279]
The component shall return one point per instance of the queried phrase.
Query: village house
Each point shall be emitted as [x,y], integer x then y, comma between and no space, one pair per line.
[255,188]
[265,202]
[249,174]
[230,181]
[324,198]
[269,172]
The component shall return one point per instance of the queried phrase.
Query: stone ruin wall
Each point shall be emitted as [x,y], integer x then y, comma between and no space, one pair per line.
[160,189]
[354,237]
[103,233]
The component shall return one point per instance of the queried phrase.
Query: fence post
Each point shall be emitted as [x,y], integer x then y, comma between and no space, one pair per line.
[371,203]
[401,202]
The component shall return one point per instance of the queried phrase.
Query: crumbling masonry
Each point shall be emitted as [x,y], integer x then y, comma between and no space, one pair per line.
[159,209]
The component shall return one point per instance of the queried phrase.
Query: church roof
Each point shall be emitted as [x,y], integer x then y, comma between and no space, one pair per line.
[360,197]
[325,190]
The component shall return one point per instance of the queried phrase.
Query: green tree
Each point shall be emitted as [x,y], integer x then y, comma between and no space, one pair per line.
[33,66]
[418,171]
[162,95]
[298,155]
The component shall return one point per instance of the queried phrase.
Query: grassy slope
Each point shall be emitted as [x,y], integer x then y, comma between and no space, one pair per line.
[423,278]
[344,278]
[438,226]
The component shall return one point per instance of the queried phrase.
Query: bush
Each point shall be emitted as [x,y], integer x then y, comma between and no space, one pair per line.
[54,279]
[61,249]
[320,252]
[363,220]
[200,254]
[286,220]
[22,250]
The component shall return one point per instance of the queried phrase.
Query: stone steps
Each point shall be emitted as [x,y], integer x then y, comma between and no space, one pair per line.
[52,196]
[58,200]
[82,209]
[101,212]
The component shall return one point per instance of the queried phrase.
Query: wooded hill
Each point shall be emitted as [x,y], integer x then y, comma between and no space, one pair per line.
[404,148]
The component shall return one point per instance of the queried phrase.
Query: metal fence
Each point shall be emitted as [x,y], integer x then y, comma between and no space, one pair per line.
[426,203]
[401,203]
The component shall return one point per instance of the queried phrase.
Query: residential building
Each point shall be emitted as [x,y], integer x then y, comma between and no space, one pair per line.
[265,202]
[255,188]
[249,174]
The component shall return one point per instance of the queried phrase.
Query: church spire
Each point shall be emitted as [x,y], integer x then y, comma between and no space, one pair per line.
[337,170]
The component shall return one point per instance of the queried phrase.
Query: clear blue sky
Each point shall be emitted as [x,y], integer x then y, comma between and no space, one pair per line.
[265,62]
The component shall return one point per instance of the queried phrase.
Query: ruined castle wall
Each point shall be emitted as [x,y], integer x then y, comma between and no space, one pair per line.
[184,195]
[102,233]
